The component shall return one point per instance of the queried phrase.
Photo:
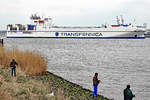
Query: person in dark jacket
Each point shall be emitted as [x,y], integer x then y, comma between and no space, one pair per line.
[95,84]
[13,64]
[128,93]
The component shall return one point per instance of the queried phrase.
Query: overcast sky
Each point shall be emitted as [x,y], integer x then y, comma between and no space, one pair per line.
[75,12]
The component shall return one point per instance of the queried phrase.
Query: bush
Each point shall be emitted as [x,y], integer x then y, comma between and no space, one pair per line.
[32,63]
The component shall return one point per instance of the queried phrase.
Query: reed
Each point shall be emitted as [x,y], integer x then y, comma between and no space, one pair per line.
[32,63]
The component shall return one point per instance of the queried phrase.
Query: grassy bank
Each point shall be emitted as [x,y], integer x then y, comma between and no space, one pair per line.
[33,82]
[23,87]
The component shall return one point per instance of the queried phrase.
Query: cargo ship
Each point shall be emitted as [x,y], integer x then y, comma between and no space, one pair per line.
[42,27]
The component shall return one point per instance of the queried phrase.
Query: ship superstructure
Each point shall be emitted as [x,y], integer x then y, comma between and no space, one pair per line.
[42,27]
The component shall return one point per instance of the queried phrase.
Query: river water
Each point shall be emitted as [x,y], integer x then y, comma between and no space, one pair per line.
[118,61]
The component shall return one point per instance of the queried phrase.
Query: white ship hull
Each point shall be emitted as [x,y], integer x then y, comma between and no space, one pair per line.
[79,33]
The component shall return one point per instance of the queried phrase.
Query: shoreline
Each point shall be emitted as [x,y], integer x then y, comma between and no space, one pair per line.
[40,87]
[35,81]
[75,89]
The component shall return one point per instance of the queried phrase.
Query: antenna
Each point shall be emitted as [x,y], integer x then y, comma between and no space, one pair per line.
[118,21]
[122,20]
[145,25]
[134,22]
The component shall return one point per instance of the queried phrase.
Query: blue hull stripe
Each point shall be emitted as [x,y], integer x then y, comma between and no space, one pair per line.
[85,37]
[75,31]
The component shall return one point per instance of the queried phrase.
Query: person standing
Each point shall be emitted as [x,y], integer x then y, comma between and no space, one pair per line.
[13,64]
[95,84]
[128,95]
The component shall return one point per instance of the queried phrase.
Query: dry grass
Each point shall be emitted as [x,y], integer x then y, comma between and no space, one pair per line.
[4,95]
[32,63]
[23,87]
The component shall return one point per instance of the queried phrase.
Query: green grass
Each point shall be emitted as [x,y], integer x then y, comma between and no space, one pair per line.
[24,87]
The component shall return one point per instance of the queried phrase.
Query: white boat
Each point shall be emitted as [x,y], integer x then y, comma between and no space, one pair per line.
[43,28]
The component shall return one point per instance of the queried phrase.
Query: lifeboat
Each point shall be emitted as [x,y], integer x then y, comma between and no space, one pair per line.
[115,25]
[41,21]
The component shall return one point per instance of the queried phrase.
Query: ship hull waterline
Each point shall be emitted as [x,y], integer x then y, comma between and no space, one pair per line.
[77,34]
